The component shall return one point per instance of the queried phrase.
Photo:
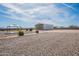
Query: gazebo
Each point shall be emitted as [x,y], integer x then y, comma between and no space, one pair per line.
[12,27]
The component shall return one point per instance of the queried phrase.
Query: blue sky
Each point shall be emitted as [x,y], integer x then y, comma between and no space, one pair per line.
[29,14]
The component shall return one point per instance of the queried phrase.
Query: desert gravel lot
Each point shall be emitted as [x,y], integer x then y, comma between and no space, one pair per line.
[50,43]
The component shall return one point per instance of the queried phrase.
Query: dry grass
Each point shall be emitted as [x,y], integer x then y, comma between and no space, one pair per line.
[53,43]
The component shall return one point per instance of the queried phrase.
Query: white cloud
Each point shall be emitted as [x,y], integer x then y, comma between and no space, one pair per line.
[25,13]
[69,6]
[30,14]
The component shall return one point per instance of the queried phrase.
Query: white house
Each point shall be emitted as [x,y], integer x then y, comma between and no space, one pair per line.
[47,26]
[41,26]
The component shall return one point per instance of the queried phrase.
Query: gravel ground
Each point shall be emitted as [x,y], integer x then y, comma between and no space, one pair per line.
[11,34]
[51,43]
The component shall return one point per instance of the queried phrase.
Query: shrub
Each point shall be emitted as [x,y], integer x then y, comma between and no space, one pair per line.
[30,29]
[21,33]
[37,31]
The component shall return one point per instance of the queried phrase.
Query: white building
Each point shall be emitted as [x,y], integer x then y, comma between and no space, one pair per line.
[41,26]
[47,26]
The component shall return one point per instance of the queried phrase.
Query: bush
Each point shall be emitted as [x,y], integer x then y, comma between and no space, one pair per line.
[30,29]
[37,31]
[21,33]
